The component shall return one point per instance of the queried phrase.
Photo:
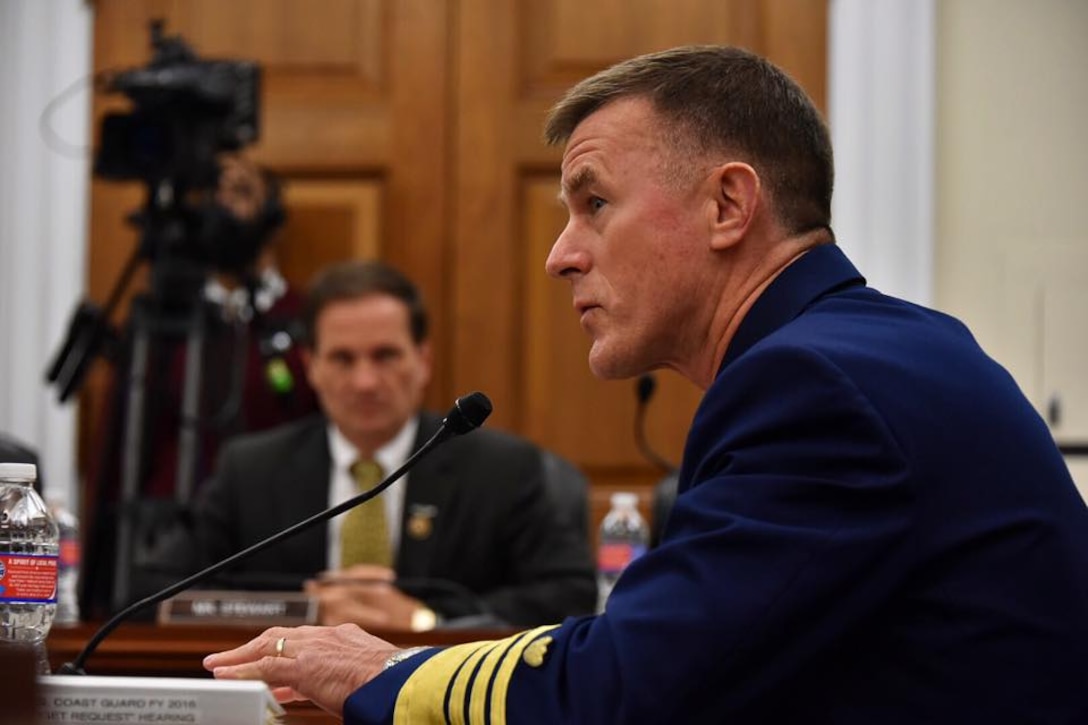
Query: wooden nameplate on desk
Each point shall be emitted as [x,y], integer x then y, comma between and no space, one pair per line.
[261,609]
[71,698]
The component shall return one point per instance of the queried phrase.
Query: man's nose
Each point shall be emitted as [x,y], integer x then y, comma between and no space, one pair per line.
[364,374]
[566,257]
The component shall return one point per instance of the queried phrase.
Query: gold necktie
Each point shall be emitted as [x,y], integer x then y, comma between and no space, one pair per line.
[364,536]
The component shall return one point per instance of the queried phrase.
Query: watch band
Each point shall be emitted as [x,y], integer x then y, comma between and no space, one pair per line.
[401,655]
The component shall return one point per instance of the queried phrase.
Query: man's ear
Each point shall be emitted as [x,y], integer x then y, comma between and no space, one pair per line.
[737,191]
[426,352]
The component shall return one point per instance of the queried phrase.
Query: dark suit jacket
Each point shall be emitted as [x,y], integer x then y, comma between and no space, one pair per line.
[493,531]
[14,451]
[873,526]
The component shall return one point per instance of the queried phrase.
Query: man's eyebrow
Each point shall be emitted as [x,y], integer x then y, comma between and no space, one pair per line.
[585,176]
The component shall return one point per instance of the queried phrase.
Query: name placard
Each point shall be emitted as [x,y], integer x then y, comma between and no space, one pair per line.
[89,699]
[262,609]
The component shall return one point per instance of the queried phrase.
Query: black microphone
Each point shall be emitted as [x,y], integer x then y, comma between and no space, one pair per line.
[467,414]
[644,389]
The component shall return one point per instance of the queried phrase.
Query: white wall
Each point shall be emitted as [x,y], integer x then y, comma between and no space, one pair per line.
[45,47]
[1012,141]
[881,97]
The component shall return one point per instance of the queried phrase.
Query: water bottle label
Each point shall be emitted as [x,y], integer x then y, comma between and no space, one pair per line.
[28,578]
[614,558]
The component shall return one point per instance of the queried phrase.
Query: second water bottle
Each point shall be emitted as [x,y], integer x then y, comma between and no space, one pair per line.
[624,537]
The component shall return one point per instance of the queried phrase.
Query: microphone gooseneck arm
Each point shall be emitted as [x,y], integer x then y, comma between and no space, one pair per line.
[644,390]
[467,414]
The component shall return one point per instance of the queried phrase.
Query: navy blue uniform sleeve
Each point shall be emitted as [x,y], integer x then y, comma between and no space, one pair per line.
[374,703]
[793,496]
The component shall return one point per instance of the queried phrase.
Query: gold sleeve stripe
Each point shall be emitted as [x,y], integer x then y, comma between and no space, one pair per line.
[483,687]
[455,711]
[506,673]
[423,698]
[478,698]
[478,670]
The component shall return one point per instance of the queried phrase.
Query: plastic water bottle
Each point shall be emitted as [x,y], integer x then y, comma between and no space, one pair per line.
[623,538]
[28,562]
[67,565]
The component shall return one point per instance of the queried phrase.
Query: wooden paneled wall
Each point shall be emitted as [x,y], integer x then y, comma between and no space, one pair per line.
[410,130]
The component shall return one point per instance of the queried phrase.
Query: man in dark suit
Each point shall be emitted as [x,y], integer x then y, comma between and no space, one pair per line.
[872,523]
[471,531]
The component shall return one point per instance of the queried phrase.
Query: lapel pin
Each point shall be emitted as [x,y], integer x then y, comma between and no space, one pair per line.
[421,521]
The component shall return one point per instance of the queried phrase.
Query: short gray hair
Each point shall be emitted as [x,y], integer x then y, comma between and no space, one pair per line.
[724,99]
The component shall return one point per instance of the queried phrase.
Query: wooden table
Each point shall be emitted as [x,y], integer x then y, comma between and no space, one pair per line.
[151,650]
[18,685]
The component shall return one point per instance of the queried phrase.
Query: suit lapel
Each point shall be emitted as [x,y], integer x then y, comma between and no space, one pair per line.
[303,490]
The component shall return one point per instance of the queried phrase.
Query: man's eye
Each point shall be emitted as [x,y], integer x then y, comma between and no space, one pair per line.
[340,359]
[387,355]
[595,203]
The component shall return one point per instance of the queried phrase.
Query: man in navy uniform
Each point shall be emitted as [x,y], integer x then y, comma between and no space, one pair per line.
[873,525]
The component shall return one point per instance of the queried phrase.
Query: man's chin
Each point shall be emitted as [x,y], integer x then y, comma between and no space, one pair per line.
[372,434]
[607,365]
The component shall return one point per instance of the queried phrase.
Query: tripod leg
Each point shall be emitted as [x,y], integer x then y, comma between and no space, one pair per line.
[131,452]
[189,430]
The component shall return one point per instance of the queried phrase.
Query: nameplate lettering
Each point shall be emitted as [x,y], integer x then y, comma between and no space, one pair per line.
[136,700]
[289,609]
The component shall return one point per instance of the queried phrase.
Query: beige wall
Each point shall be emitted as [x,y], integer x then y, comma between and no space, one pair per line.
[1012,143]
[1011,252]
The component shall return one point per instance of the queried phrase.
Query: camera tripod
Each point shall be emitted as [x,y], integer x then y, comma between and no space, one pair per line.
[185,113]
[144,324]
[171,316]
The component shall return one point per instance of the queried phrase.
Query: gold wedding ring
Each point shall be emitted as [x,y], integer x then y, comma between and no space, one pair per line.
[280,643]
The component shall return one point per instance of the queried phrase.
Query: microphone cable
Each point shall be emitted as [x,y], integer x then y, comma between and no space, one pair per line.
[645,386]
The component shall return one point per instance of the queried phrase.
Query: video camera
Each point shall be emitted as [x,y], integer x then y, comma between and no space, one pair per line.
[186,111]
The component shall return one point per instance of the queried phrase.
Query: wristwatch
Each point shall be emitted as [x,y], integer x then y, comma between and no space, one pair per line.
[401,655]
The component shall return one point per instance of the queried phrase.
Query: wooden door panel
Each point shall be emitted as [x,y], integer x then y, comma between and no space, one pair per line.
[336,36]
[325,86]
[328,220]
[564,41]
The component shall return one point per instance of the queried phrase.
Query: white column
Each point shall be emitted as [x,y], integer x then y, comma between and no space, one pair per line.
[882,98]
[45,47]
